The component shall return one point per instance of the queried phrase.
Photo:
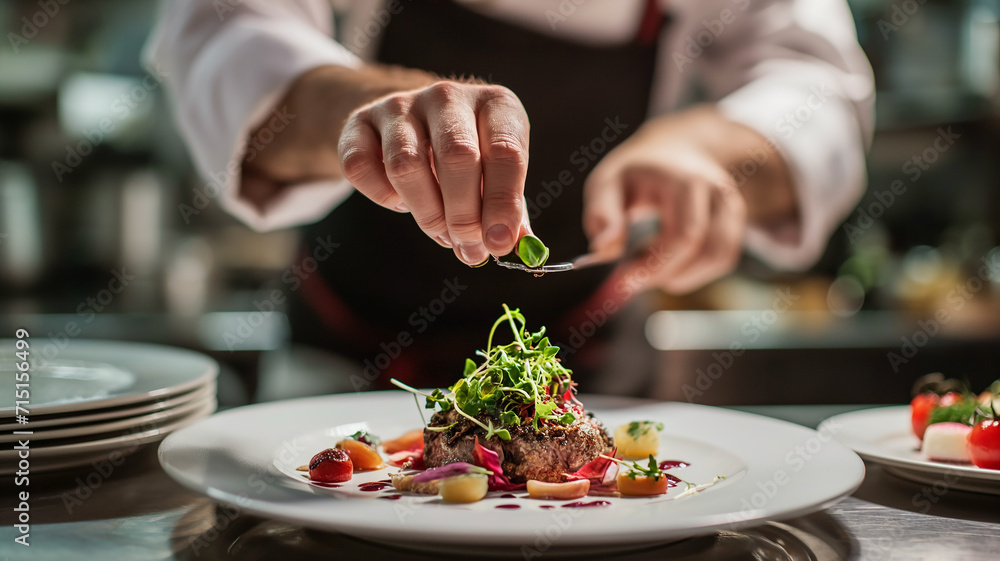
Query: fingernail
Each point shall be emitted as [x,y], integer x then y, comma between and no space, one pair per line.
[485,261]
[444,239]
[401,207]
[472,254]
[499,236]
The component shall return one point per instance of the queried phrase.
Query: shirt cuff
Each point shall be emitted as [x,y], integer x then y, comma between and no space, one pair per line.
[816,133]
[243,76]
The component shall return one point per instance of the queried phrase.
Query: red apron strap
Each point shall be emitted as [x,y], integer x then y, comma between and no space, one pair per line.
[652,21]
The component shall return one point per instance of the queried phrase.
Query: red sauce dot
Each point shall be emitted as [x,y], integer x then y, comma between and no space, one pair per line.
[391,497]
[373,486]
[673,464]
[508,496]
[508,506]
[547,507]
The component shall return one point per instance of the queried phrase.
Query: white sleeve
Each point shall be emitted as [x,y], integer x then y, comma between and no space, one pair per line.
[226,65]
[793,71]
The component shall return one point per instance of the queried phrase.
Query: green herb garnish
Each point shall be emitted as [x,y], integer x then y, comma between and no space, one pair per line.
[367,438]
[641,428]
[517,384]
[652,470]
[961,412]
[532,251]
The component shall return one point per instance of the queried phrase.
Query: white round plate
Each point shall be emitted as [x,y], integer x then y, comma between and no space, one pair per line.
[884,436]
[70,420]
[247,457]
[87,375]
[94,429]
[51,458]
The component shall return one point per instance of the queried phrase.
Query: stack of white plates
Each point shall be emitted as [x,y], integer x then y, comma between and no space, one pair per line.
[93,401]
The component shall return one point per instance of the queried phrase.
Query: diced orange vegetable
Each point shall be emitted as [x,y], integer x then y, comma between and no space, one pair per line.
[641,486]
[413,440]
[558,491]
[362,455]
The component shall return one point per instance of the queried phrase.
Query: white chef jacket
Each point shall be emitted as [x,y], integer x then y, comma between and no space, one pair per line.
[790,69]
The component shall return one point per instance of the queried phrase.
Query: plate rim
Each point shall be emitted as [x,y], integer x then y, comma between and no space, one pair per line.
[161,416]
[210,372]
[208,407]
[98,415]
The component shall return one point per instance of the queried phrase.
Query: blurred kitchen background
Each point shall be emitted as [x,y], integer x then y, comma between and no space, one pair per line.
[96,187]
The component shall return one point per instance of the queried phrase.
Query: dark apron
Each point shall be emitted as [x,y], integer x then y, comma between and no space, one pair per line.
[392,297]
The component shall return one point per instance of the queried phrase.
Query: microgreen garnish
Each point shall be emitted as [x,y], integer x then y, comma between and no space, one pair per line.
[641,428]
[532,251]
[635,468]
[366,438]
[519,383]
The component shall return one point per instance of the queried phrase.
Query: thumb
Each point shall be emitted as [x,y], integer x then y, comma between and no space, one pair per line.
[604,217]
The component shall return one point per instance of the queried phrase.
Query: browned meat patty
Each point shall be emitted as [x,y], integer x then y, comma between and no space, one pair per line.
[543,455]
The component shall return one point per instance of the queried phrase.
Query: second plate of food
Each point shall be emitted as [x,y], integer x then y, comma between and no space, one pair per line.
[884,436]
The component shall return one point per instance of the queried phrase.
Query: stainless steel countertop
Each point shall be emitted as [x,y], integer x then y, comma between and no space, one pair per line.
[138,512]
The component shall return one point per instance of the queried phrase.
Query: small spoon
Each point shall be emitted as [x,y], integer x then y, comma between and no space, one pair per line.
[639,235]
[537,271]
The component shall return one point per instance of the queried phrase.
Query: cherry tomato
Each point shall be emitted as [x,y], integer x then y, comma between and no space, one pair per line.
[332,465]
[920,412]
[984,444]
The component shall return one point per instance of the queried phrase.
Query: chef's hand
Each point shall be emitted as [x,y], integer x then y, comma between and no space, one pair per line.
[676,168]
[452,154]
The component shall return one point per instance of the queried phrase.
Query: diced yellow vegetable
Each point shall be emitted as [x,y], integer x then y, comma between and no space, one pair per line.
[463,488]
[637,440]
